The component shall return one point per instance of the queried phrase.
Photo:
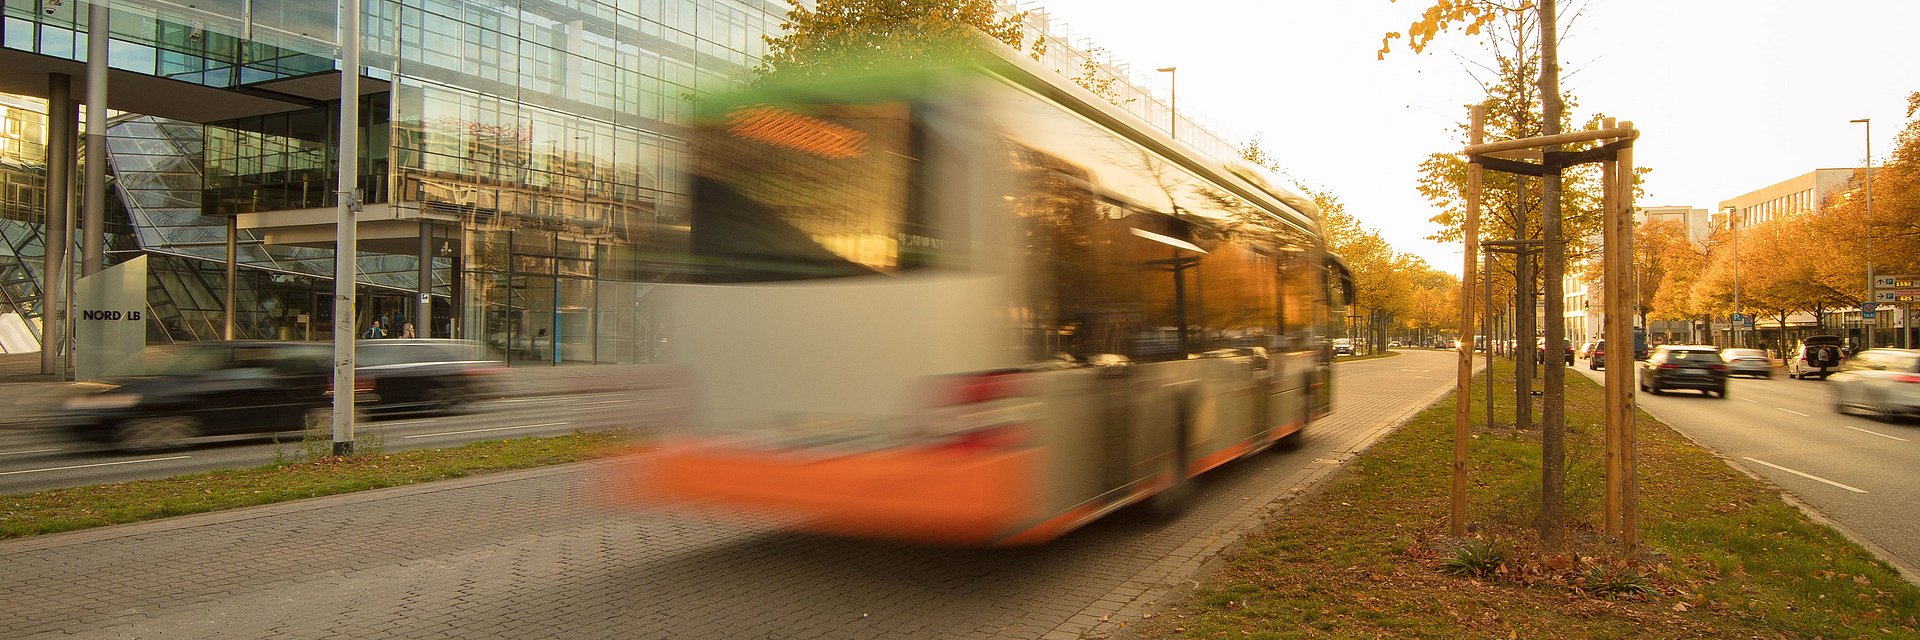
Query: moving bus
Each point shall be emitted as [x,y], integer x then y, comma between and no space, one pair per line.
[975,305]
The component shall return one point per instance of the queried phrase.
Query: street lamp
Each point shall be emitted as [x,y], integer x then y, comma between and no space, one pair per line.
[1864,326]
[1173,101]
[1739,320]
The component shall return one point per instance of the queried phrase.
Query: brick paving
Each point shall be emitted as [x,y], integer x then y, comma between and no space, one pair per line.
[536,554]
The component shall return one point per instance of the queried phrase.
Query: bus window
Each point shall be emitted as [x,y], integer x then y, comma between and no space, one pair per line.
[808,192]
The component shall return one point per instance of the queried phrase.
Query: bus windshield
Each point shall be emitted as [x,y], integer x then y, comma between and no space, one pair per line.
[801,192]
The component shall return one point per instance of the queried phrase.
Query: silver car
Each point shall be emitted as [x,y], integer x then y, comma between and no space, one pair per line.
[1747,362]
[1882,381]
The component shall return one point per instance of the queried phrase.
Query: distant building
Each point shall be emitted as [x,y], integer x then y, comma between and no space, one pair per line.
[1803,193]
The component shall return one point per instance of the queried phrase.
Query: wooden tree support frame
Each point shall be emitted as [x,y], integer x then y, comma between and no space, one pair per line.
[1526,156]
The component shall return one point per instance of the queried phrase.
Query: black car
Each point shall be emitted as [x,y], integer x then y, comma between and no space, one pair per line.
[425,374]
[208,388]
[1684,367]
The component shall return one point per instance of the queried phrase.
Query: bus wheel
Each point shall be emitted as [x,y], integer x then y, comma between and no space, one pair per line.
[1292,441]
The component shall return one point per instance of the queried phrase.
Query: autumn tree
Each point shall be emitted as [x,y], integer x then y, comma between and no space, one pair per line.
[842,34]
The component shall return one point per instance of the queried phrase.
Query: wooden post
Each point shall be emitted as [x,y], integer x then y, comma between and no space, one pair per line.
[1611,441]
[1629,463]
[1463,379]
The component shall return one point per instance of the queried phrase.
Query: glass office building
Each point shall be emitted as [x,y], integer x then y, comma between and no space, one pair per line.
[528,150]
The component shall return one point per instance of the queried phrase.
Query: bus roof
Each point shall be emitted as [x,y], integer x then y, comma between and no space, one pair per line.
[895,79]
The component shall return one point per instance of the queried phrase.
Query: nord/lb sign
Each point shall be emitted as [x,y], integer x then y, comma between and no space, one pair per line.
[107,314]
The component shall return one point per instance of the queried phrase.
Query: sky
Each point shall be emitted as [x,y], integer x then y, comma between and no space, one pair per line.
[1729,95]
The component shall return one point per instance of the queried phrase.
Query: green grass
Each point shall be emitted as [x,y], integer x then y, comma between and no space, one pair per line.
[28,514]
[1369,555]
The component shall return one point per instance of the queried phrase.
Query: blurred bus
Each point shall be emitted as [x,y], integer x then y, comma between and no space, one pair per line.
[977,305]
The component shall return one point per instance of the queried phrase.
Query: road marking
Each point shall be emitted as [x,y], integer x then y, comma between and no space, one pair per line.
[101,464]
[1794,412]
[15,453]
[1749,400]
[1876,433]
[1806,475]
[455,433]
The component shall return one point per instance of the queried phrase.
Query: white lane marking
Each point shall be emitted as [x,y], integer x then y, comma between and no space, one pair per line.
[455,433]
[1806,475]
[1749,400]
[15,453]
[1794,412]
[1876,433]
[101,464]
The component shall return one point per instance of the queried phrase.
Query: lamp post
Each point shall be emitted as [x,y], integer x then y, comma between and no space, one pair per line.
[1173,101]
[1741,323]
[1864,326]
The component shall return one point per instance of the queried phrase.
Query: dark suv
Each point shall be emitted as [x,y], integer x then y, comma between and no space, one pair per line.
[425,374]
[1685,367]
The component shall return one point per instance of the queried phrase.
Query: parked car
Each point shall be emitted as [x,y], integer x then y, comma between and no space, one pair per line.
[1540,351]
[426,374]
[1394,344]
[1586,349]
[1749,362]
[205,389]
[1816,356]
[1684,367]
[1881,381]
[1342,346]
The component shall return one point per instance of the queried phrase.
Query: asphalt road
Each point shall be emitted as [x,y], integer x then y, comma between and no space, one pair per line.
[1857,471]
[545,553]
[45,458]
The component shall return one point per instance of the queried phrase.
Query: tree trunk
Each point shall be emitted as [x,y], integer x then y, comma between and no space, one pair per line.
[1553,425]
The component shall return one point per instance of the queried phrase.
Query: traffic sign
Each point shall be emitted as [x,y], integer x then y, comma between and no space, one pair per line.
[1739,317]
[1896,295]
[1896,282]
[1866,310]
[1747,324]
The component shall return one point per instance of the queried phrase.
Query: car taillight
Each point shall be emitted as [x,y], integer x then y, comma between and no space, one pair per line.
[1669,366]
[1718,367]
[1906,377]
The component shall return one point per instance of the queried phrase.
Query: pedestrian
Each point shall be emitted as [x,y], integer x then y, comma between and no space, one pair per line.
[406,331]
[376,331]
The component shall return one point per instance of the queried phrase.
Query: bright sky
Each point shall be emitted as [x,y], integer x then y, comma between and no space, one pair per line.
[1729,95]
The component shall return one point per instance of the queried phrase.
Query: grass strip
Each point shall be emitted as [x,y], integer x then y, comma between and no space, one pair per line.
[67,509]
[1369,555]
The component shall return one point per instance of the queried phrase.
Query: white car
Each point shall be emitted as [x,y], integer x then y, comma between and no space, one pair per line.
[1394,344]
[1882,381]
[1747,362]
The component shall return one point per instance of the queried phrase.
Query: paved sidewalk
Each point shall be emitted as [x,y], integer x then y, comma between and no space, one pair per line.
[537,554]
[28,396]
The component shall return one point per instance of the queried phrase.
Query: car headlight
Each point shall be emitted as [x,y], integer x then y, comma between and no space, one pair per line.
[104,401]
